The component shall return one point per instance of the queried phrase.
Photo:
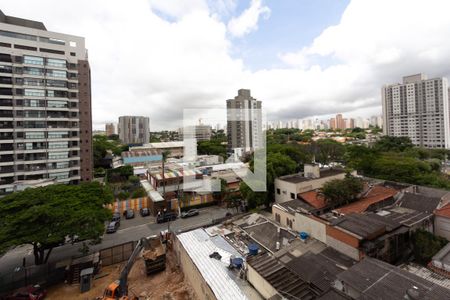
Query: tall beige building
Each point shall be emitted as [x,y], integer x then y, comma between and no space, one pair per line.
[110,129]
[244,123]
[419,109]
[45,105]
[134,129]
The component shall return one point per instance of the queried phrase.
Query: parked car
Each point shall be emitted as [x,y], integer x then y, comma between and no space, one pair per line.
[166,217]
[129,214]
[116,216]
[144,212]
[190,213]
[112,227]
[35,292]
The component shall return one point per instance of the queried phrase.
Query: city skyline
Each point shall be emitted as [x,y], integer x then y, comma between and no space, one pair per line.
[247,45]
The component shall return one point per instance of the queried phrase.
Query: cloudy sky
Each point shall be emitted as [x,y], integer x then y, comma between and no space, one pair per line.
[302,58]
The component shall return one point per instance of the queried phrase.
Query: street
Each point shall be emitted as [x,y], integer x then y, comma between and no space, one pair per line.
[129,230]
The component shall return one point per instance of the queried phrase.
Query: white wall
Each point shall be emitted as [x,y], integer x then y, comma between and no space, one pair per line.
[442,227]
[313,227]
[286,188]
[260,284]
[283,216]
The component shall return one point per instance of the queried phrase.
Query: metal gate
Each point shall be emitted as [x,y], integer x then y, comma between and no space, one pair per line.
[116,254]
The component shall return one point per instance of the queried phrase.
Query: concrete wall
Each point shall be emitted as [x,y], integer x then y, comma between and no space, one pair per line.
[442,227]
[283,217]
[343,248]
[260,284]
[343,242]
[310,225]
[286,188]
[192,274]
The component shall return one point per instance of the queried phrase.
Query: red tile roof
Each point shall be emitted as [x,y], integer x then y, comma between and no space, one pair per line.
[377,194]
[443,211]
[314,199]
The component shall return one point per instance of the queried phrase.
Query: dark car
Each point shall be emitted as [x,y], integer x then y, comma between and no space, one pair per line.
[144,212]
[112,227]
[190,213]
[32,292]
[116,216]
[166,217]
[129,214]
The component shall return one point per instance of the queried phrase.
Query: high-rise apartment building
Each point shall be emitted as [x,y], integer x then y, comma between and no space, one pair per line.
[340,123]
[419,109]
[244,123]
[110,129]
[134,129]
[45,105]
[201,132]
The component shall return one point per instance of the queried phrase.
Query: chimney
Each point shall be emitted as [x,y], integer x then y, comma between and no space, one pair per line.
[312,171]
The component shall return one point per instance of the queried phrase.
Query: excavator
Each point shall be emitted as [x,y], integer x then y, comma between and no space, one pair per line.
[118,290]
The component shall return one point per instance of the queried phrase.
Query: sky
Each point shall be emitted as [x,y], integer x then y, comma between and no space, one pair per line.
[301,58]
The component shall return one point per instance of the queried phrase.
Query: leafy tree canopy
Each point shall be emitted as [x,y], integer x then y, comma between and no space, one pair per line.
[45,217]
[392,143]
[426,245]
[339,192]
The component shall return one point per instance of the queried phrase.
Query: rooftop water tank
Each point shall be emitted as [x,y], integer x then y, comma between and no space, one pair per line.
[253,249]
[303,235]
[237,262]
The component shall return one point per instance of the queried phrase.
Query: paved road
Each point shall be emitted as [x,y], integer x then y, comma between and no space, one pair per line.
[130,230]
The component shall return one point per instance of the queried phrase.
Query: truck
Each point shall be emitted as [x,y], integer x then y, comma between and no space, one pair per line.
[154,255]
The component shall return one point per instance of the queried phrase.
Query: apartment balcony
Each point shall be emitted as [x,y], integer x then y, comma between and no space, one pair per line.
[7,169]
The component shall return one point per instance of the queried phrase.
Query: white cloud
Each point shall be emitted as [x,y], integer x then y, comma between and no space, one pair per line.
[248,20]
[144,64]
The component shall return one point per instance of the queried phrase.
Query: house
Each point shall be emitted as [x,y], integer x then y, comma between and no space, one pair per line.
[138,158]
[375,279]
[287,187]
[360,235]
[375,197]
[442,221]
[441,261]
[210,276]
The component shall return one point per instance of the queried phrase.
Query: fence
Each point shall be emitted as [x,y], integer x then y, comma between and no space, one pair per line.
[54,273]
[116,254]
[44,275]
[136,204]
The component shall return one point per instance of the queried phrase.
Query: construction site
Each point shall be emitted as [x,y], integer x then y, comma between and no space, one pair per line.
[151,272]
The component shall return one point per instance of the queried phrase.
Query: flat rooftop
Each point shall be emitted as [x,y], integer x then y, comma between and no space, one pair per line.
[297,178]
[293,205]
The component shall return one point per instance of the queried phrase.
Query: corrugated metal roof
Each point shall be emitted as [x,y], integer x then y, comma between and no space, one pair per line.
[199,245]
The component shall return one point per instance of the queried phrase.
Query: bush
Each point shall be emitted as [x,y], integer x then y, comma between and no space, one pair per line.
[426,245]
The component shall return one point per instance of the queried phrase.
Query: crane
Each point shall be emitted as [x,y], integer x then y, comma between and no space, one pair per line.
[118,290]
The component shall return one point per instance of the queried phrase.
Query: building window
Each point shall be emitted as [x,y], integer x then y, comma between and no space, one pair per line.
[33,60]
[277,218]
[34,93]
[278,191]
[59,63]
[292,196]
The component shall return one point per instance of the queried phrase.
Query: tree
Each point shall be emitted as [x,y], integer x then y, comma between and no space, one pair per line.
[426,245]
[328,150]
[254,199]
[139,193]
[46,217]
[393,143]
[342,191]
